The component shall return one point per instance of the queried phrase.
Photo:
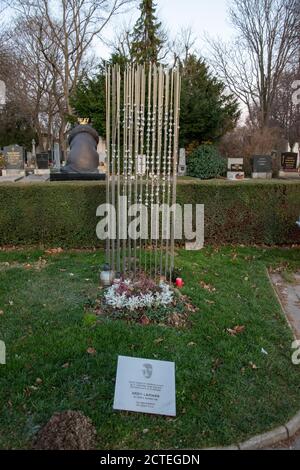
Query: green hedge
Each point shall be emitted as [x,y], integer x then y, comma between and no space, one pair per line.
[64,214]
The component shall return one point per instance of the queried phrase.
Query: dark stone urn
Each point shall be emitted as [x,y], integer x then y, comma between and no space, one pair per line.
[83,156]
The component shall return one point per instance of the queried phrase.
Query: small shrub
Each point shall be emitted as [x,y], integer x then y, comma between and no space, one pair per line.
[206,163]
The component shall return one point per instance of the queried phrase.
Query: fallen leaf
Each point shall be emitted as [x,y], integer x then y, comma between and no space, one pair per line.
[38,381]
[207,287]
[65,366]
[253,366]
[1,312]
[192,344]
[145,320]
[54,251]
[210,302]
[159,340]
[91,351]
[236,330]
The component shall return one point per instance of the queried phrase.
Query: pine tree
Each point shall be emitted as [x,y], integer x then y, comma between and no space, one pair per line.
[147,36]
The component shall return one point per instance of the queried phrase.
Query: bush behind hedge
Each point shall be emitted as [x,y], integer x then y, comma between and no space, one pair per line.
[64,214]
[205,163]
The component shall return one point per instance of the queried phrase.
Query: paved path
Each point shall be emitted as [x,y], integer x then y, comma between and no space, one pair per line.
[289,294]
[293,444]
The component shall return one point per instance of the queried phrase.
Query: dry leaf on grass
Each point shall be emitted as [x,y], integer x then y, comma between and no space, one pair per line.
[145,320]
[1,312]
[158,340]
[236,330]
[207,287]
[54,251]
[91,351]
[253,366]
[65,366]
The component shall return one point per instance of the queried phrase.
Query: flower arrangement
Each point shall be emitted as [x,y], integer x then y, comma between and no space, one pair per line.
[142,294]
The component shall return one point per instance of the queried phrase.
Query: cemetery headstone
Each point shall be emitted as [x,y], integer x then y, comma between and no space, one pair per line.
[57,156]
[42,163]
[289,165]
[262,166]
[14,162]
[182,163]
[235,169]
[289,161]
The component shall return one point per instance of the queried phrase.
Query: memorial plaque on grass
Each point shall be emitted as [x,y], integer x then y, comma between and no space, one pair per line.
[145,386]
[14,157]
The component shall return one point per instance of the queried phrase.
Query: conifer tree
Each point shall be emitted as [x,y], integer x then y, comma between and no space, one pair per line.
[147,36]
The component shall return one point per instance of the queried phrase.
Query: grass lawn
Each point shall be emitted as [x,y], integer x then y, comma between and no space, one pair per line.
[227,388]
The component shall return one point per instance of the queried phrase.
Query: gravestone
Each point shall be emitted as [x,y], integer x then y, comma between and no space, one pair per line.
[262,166]
[289,161]
[42,164]
[235,169]
[14,162]
[42,161]
[57,156]
[289,165]
[182,163]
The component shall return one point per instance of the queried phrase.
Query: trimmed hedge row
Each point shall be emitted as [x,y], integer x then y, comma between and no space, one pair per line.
[64,214]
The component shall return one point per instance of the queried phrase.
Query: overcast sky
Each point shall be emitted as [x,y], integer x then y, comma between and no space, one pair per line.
[204,16]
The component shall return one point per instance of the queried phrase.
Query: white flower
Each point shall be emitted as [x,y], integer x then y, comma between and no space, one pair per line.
[135,302]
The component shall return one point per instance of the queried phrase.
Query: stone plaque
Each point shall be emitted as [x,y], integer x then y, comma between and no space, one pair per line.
[289,161]
[14,157]
[145,386]
[235,164]
[262,163]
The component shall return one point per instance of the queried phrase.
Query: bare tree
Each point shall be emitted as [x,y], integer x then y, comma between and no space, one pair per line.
[183,45]
[64,34]
[267,38]
[285,112]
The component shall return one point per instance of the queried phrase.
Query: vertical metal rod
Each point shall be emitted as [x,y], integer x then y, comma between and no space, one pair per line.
[169,169]
[142,147]
[108,78]
[153,157]
[148,147]
[158,157]
[175,158]
[118,167]
[165,169]
[113,157]
[125,158]
[137,97]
